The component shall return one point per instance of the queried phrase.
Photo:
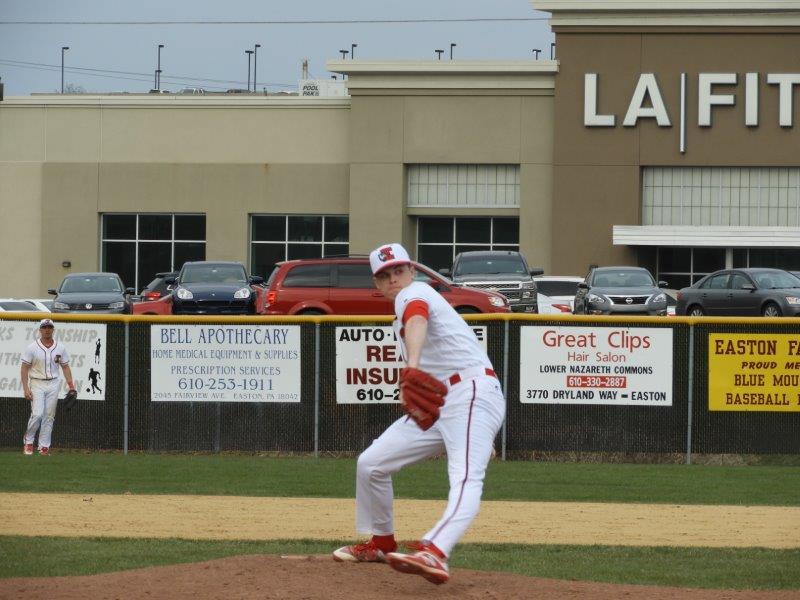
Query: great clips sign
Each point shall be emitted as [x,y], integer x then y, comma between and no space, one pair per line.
[713,89]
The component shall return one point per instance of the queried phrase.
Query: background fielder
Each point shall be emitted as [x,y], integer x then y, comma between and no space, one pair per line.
[435,339]
[43,361]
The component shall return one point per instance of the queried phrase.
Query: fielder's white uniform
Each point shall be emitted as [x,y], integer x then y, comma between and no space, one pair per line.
[45,382]
[470,419]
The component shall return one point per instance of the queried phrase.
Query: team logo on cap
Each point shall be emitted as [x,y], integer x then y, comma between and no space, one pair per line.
[385,254]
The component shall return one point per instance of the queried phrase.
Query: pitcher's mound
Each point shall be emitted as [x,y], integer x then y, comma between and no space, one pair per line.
[319,577]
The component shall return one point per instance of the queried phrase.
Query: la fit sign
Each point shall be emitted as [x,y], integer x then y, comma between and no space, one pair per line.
[707,97]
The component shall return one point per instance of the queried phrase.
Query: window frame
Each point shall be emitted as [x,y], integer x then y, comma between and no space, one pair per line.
[137,240]
[285,243]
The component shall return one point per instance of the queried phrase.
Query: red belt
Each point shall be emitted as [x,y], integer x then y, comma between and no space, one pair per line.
[454,379]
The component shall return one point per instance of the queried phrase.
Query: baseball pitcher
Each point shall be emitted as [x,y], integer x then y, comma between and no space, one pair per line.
[454,404]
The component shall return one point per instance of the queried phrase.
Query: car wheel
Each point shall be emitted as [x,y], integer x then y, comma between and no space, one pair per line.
[695,311]
[771,310]
[467,310]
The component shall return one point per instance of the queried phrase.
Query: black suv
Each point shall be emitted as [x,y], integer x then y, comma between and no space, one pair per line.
[214,288]
[502,271]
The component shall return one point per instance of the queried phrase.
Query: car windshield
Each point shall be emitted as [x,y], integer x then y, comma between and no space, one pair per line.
[490,265]
[775,280]
[213,274]
[557,288]
[622,279]
[91,283]
[18,305]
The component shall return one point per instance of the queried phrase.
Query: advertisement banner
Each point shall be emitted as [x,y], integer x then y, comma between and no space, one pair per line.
[368,364]
[754,371]
[225,363]
[595,365]
[85,342]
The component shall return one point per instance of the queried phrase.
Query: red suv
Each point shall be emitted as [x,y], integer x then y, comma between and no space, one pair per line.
[343,286]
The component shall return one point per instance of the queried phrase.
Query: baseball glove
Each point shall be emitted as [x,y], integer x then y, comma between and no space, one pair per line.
[71,399]
[422,396]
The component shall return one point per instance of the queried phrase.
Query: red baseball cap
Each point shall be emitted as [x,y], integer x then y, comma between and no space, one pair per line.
[388,255]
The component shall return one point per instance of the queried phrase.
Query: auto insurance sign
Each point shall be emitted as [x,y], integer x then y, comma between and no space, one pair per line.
[596,365]
[368,364]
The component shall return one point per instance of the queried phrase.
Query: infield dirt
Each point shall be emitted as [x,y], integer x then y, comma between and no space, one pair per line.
[259,518]
[319,577]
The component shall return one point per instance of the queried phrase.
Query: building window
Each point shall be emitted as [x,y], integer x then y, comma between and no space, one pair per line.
[723,196]
[137,246]
[468,186]
[439,239]
[274,238]
[681,267]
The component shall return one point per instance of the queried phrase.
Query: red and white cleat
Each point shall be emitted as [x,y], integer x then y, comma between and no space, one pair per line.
[44,451]
[366,552]
[28,449]
[423,563]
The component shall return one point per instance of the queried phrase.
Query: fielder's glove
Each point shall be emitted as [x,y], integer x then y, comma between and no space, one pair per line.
[422,395]
[71,399]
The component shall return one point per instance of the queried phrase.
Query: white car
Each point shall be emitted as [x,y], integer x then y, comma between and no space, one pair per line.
[15,305]
[547,306]
[558,292]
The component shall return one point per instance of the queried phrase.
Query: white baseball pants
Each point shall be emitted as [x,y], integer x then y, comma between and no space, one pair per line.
[43,410]
[470,419]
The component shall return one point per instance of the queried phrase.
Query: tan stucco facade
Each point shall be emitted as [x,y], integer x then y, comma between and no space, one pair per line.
[67,160]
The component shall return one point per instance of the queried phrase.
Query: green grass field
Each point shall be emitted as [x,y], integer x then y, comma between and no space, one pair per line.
[247,475]
[238,475]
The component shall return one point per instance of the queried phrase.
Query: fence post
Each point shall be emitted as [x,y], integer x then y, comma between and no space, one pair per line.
[125,387]
[690,396]
[504,431]
[316,389]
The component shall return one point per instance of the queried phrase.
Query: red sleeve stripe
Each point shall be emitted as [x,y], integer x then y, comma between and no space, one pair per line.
[415,307]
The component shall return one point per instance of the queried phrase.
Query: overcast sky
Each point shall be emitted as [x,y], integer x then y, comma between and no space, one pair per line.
[124,55]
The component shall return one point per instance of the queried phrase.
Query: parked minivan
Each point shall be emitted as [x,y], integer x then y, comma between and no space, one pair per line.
[344,286]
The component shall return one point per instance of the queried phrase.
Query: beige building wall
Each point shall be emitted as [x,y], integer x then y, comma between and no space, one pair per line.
[406,113]
[65,160]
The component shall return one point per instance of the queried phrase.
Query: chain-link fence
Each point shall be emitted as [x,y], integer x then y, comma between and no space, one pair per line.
[131,418]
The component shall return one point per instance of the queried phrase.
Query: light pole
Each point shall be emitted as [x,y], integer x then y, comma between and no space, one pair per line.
[536,52]
[452,45]
[255,66]
[439,53]
[63,49]
[353,51]
[249,56]
[158,68]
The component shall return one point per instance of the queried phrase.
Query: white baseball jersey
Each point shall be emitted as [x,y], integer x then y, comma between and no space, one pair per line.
[450,345]
[45,362]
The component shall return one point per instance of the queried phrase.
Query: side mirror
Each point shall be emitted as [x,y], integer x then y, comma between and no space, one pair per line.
[170,280]
[663,284]
[52,292]
[749,286]
[445,272]
[583,285]
[537,271]
[256,280]
[130,291]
